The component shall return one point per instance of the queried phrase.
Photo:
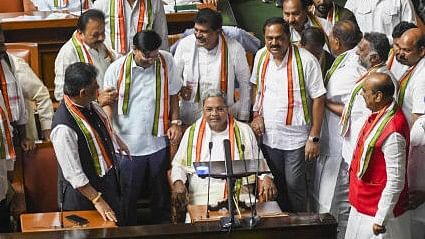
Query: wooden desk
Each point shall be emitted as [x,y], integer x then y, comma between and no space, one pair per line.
[299,226]
[266,209]
[37,222]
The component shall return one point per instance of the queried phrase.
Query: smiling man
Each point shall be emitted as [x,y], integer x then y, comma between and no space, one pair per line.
[329,10]
[288,111]
[210,60]
[86,45]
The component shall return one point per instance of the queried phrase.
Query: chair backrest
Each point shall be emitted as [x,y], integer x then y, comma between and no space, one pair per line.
[40,172]
[27,51]
[11,6]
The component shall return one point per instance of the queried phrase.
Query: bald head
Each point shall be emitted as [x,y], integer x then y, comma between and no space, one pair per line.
[382,82]
[378,90]
[345,35]
[411,47]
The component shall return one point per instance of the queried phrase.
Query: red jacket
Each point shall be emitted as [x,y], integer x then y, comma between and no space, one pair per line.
[365,192]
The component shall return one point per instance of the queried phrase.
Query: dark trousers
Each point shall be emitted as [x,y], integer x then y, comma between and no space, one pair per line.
[148,172]
[289,170]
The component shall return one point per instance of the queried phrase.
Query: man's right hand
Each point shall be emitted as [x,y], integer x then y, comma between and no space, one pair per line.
[186,92]
[179,194]
[257,125]
[105,210]
[107,96]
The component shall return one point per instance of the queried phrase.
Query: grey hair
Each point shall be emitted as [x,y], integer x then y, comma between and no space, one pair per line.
[214,93]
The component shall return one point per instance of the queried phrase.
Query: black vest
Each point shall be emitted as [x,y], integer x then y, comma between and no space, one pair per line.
[108,185]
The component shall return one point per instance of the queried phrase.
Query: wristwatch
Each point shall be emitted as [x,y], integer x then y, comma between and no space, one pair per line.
[314,139]
[177,122]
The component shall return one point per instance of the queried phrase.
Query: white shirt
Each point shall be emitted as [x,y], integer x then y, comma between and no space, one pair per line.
[48,5]
[198,186]
[275,102]
[136,127]
[326,25]
[208,64]
[416,165]
[398,69]
[338,90]
[5,165]
[67,55]
[359,113]
[34,91]
[131,19]
[414,98]
[381,15]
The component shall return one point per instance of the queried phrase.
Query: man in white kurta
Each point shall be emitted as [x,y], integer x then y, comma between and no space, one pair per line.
[288,111]
[209,60]
[339,81]
[384,215]
[381,15]
[416,178]
[145,115]
[86,45]
[296,13]
[393,64]
[215,125]
[153,19]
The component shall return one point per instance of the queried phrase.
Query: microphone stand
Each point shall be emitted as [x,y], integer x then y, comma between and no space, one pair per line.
[210,145]
[254,219]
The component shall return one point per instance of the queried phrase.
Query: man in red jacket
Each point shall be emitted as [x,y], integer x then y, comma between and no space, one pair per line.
[378,185]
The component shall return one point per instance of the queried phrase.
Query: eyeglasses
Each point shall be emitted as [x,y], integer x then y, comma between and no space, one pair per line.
[220,109]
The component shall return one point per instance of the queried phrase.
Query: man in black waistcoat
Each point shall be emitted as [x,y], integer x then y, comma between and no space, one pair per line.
[85,147]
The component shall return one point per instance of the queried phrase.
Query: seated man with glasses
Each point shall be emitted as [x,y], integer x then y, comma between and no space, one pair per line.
[203,141]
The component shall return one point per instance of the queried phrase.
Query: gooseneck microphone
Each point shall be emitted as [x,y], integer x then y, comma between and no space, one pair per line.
[175,5]
[259,144]
[246,171]
[210,145]
[81,7]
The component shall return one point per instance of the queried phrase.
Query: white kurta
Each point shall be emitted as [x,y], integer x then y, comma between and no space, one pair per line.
[381,15]
[275,103]
[416,166]
[136,127]
[398,69]
[34,91]
[67,55]
[360,225]
[197,64]
[198,187]
[326,25]
[359,113]
[414,98]
[131,18]
[338,89]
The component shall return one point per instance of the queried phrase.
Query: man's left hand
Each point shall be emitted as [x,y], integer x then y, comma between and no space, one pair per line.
[378,229]
[122,147]
[174,134]
[312,150]
[268,190]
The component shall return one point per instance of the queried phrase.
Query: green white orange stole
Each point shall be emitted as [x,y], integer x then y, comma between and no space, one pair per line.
[368,136]
[161,115]
[346,113]
[7,151]
[197,131]
[404,80]
[292,84]
[98,150]
[117,22]
[57,3]
[81,50]
[334,14]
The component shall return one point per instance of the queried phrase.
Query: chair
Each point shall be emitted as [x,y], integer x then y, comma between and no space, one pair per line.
[27,51]
[40,171]
[11,6]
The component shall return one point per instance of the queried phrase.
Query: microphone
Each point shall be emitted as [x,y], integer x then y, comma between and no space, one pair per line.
[229,175]
[175,10]
[210,145]
[81,7]
[259,143]
[61,206]
[246,171]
